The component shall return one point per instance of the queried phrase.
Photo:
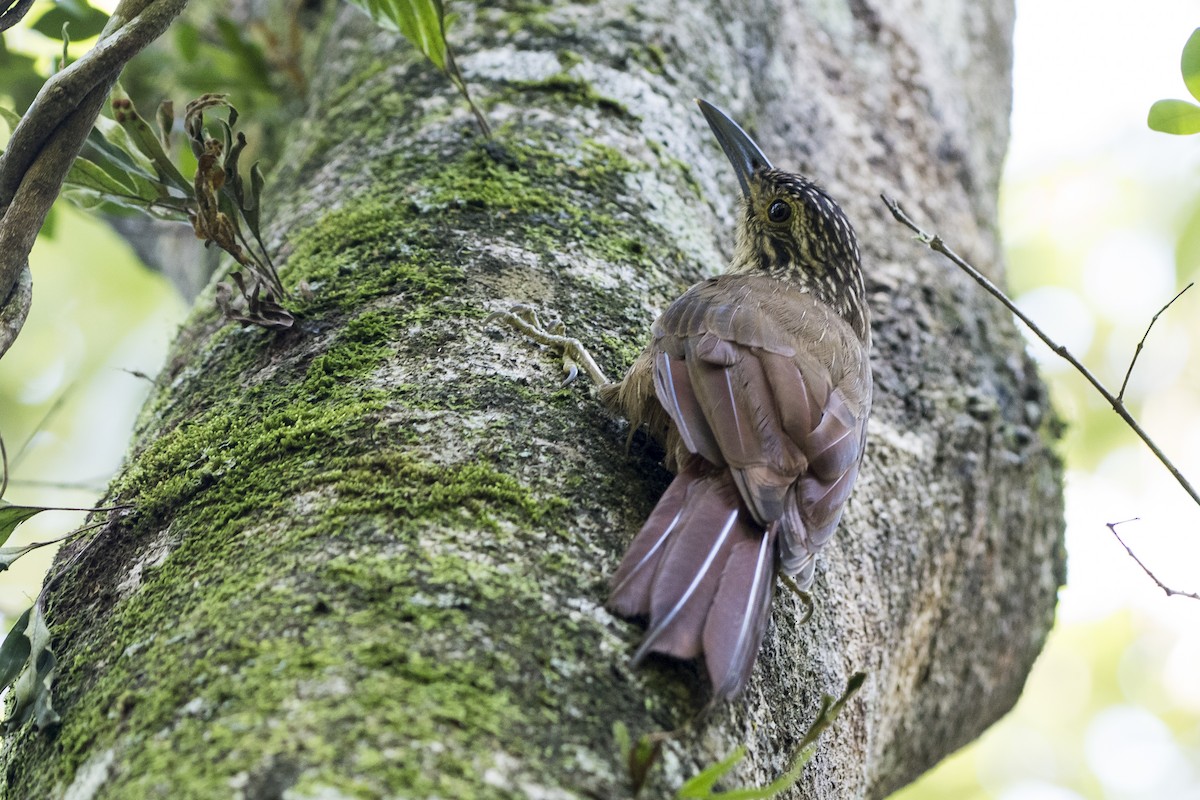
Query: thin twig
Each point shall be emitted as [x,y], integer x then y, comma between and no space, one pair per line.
[62,569]
[4,466]
[1138,351]
[936,244]
[1112,526]
[66,486]
[53,409]
[95,510]
[21,550]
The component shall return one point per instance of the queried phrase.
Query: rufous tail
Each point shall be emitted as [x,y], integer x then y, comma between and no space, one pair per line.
[703,572]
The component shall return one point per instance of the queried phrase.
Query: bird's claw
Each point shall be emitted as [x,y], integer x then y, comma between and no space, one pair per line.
[572,370]
[805,597]
[524,318]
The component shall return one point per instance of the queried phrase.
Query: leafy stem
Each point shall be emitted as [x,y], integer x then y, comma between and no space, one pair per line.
[424,23]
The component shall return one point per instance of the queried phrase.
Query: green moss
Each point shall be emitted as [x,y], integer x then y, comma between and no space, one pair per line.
[369,250]
[574,90]
[334,591]
[346,629]
[400,486]
[550,200]
[359,664]
[479,180]
[529,18]
[319,428]
[685,170]
[657,58]
[410,245]
[568,59]
[625,350]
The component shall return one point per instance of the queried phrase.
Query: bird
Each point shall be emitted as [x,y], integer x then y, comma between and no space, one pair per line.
[758,384]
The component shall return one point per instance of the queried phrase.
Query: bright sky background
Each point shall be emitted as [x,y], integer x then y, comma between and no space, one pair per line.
[1093,203]
[1085,75]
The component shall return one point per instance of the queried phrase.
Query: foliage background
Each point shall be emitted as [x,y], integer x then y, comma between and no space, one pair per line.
[1101,219]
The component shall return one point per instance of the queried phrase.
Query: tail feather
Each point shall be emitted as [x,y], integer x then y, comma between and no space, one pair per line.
[687,579]
[634,579]
[737,621]
[702,570]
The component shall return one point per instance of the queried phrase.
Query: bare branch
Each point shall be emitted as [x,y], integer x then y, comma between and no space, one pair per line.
[1112,526]
[14,11]
[1138,351]
[936,244]
[1117,403]
[15,307]
[46,142]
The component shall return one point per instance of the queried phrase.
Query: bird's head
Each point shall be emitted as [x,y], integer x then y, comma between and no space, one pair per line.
[789,228]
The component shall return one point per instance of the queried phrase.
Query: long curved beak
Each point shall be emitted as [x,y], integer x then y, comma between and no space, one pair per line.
[739,148]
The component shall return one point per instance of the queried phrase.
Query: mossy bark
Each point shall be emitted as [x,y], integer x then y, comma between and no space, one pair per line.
[367,557]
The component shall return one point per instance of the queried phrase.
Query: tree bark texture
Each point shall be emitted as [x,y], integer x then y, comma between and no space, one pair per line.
[368,557]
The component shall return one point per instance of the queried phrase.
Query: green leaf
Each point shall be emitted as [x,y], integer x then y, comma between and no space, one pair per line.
[88,175]
[143,137]
[249,55]
[113,150]
[10,554]
[85,21]
[10,117]
[701,785]
[638,756]
[31,692]
[22,80]
[1189,64]
[14,652]
[1174,116]
[776,787]
[419,21]
[187,40]
[119,152]
[11,516]
[621,734]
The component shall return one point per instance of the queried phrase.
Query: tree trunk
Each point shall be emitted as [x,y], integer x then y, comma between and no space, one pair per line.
[368,557]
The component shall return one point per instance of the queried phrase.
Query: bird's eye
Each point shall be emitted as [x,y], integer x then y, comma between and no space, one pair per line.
[779,211]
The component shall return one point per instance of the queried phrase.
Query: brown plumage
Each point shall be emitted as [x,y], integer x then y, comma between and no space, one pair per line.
[758,383]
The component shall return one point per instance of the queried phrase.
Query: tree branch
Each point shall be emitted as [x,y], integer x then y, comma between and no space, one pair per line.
[1112,526]
[1138,351]
[935,243]
[14,11]
[48,139]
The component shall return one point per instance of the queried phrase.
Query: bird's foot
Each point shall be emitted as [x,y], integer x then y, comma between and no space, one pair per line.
[804,596]
[525,319]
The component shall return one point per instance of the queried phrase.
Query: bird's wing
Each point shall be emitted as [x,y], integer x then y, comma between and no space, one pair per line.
[736,368]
